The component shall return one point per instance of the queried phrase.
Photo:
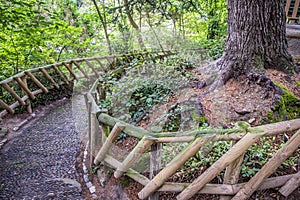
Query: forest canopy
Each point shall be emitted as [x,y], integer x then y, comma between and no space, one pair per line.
[38,32]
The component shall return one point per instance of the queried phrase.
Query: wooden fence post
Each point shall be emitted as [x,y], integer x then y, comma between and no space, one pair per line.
[59,72]
[101,65]
[118,128]
[13,93]
[133,156]
[155,162]
[6,107]
[47,75]
[232,173]
[171,168]
[95,96]
[80,69]
[70,69]
[28,102]
[36,81]
[90,65]
[290,185]
[90,133]
[155,165]
[93,132]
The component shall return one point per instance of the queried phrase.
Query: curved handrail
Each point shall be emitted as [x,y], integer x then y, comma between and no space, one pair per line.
[25,86]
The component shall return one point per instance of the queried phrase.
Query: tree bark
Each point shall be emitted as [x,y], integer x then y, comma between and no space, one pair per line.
[134,25]
[104,26]
[256,39]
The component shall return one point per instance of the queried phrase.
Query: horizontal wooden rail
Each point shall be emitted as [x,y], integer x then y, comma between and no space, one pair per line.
[188,136]
[221,189]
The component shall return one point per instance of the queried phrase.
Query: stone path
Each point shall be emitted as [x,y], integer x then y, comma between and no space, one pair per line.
[40,162]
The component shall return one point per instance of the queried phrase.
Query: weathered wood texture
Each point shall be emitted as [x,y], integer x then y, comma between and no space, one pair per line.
[232,159]
[155,165]
[231,155]
[222,189]
[241,138]
[292,11]
[249,38]
[290,185]
[23,83]
[129,129]
[133,156]
[118,128]
[175,164]
[293,31]
[232,173]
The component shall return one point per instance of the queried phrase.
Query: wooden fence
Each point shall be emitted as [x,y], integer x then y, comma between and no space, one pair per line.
[292,10]
[21,89]
[242,138]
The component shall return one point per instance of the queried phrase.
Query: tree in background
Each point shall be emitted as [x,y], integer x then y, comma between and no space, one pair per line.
[256,39]
[41,32]
[104,24]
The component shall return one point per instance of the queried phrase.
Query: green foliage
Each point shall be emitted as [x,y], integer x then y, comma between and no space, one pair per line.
[211,153]
[214,48]
[259,153]
[173,122]
[35,33]
[255,157]
[145,97]
[94,169]
[105,104]
[287,108]
[142,85]
[121,136]
[125,181]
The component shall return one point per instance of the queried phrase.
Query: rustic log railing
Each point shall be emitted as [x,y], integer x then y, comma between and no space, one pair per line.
[242,137]
[22,88]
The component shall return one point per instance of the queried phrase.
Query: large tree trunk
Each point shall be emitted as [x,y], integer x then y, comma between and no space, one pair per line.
[256,39]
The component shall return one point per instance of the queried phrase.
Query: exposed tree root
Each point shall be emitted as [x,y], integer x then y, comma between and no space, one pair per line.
[214,80]
[266,83]
[271,89]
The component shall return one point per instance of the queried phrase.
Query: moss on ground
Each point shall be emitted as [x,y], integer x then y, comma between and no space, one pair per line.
[287,108]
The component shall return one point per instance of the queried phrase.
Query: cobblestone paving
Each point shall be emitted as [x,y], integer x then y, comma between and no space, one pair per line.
[40,162]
